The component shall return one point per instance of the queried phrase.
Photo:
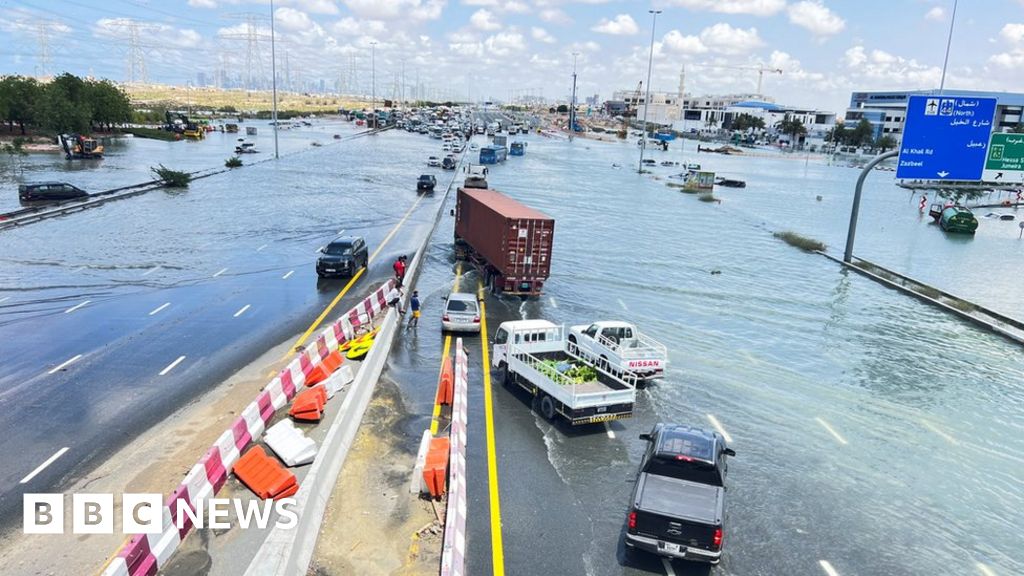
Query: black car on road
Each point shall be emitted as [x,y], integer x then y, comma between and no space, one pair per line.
[678,503]
[426,183]
[343,256]
[49,192]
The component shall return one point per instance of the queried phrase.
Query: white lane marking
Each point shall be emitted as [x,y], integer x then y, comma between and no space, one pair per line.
[4,299]
[171,366]
[76,307]
[623,304]
[77,270]
[43,466]
[830,429]
[242,311]
[828,568]
[64,365]
[340,232]
[151,270]
[718,426]
[159,308]
[668,567]
[553,303]
[219,272]
[985,570]
[940,433]
[608,430]
[260,249]
[288,275]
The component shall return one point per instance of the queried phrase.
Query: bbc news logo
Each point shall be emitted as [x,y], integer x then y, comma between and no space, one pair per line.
[144,514]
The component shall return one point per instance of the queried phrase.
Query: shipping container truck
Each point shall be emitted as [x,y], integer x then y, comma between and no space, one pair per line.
[509,243]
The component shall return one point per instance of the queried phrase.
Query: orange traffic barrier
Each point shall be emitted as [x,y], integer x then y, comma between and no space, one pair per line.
[264,475]
[446,384]
[435,470]
[309,404]
[321,371]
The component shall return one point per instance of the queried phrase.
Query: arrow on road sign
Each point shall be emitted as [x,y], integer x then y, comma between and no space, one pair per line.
[943,174]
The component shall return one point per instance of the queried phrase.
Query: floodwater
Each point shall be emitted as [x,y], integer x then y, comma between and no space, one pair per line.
[873,432]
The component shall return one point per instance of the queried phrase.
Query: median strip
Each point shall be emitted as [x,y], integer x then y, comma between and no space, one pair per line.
[497,547]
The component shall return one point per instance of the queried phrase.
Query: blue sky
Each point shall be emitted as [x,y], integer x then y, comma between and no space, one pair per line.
[487,48]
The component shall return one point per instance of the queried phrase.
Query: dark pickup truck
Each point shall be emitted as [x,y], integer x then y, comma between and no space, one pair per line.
[678,502]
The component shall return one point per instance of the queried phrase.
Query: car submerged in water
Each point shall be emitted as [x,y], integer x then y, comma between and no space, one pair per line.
[50,192]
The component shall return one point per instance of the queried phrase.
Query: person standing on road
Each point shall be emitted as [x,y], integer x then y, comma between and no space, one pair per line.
[399,267]
[414,305]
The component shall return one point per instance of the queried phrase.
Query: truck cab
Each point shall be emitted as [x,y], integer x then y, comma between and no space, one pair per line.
[678,504]
[534,335]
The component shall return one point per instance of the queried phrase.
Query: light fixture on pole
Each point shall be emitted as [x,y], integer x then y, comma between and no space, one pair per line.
[273,75]
[647,96]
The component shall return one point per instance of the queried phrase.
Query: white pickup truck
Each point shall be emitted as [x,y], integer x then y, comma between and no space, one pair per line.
[534,354]
[618,346]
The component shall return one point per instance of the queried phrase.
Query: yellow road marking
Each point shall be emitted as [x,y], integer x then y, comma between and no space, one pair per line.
[437,405]
[497,551]
[371,258]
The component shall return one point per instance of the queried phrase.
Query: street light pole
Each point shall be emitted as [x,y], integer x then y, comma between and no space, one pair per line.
[647,97]
[949,41]
[572,103]
[373,81]
[273,74]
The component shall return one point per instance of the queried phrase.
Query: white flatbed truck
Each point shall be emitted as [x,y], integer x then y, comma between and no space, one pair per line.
[534,355]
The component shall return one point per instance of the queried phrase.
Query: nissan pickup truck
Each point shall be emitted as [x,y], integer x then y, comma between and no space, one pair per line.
[678,504]
[617,346]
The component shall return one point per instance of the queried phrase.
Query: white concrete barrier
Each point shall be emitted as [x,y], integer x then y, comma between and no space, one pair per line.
[339,379]
[290,444]
[416,483]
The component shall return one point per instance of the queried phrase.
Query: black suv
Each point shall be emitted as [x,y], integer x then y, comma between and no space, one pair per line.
[426,183]
[342,257]
[49,191]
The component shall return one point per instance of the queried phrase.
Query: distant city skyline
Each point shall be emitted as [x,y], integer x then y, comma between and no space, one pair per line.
[497,49]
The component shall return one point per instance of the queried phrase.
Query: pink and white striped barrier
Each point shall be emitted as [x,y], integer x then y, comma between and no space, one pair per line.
[145,554]
[453,551]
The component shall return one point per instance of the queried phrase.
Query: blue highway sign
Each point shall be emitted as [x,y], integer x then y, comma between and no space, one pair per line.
[945,138]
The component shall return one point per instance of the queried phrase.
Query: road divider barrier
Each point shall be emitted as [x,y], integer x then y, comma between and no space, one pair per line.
[445,385]
[290,444]
[144,555]
[435,469]
[341,378]
[324,369]
[418,485]
[308,406]
[264,475]
[453,549]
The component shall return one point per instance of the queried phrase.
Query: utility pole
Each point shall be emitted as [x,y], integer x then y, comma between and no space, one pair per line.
[373,81]
[572,102]
[273,74]
[949,42]
[647,98]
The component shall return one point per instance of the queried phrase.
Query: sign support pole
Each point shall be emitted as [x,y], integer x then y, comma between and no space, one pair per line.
[848,254]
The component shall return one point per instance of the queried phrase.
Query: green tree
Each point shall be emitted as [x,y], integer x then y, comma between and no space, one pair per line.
[65,104]
[563,109]
[745,122]
[885,142]
[109,103]
[20,97]
[863,134]
[792,127]
[838,134]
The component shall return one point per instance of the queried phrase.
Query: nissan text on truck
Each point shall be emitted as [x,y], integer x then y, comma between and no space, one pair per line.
[678,504]
[534,355]
[509,243]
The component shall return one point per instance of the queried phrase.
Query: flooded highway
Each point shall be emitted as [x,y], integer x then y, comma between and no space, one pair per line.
[875,435]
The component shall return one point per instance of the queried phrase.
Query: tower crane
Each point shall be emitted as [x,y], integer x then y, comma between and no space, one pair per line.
[760,69]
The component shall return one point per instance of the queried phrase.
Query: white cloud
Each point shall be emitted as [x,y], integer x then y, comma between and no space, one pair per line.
[397,9]
[312,6]
[1012,60]
[159,35]
[816,17]
[541,35]
[505,43]
[855,57]
[352,27]
[483,19]
[555,16]
[202,3]
[292,20]
[1012,32]
[675,42]
[880,69]
[725,39]
[752,7]
[621,25]
[937,14]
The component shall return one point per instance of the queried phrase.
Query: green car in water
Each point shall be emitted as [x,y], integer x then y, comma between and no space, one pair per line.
[958,219]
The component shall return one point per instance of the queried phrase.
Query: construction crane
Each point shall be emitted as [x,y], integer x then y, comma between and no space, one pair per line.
[760,68]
